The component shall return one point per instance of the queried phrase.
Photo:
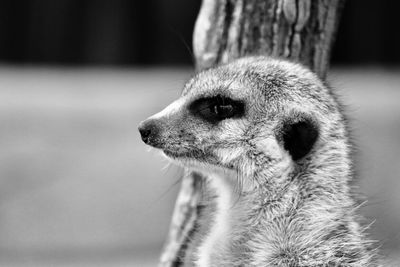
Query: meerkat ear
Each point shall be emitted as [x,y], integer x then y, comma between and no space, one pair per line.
[299,136]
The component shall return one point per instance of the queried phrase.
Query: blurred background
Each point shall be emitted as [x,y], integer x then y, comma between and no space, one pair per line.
[77,186]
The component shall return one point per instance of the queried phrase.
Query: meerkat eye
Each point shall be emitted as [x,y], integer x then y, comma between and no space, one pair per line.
[218,108]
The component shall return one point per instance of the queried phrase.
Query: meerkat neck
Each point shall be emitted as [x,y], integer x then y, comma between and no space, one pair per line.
[218,236]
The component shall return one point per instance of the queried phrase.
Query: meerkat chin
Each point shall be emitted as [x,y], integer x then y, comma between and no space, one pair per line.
[271,140]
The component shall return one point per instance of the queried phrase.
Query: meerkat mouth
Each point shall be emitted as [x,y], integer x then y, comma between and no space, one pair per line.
[172,154]
[197,159]
[194,154]
[187,159]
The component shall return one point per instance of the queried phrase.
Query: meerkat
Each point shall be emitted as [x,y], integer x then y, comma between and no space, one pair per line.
[272,141]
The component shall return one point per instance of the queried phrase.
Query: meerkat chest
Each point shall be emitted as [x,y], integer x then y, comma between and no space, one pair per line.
[215,243]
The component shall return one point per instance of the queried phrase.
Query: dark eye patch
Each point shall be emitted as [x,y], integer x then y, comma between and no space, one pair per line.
[217,108]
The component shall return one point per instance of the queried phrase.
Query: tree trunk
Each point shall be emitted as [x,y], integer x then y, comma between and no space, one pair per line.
[299,30]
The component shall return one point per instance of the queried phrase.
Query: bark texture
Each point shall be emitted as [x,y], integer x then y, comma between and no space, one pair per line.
[299,30]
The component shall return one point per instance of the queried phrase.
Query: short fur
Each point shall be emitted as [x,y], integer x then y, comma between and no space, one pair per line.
[278,178]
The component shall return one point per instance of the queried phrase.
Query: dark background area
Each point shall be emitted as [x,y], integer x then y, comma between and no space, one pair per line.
[159,32]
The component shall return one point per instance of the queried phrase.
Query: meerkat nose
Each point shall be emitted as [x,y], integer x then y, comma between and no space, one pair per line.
[145,133]
[148,132]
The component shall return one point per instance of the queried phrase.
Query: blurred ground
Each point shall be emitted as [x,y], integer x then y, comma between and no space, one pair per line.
[78,188]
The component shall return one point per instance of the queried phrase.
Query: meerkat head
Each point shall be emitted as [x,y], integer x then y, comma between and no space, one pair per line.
[254,115]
